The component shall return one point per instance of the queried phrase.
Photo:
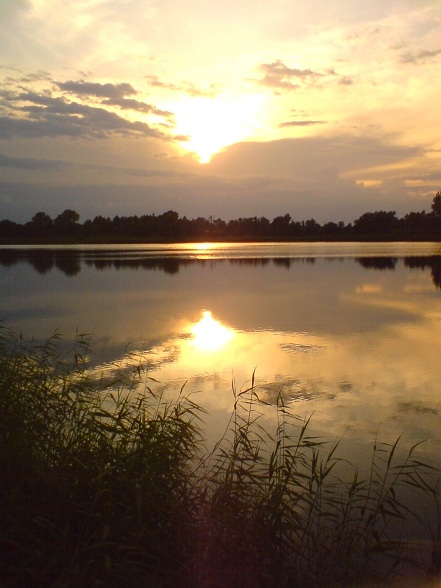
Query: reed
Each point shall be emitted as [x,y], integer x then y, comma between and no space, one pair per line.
[106,482]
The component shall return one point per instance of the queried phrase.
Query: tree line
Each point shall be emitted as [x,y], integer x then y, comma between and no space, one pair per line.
[170,227]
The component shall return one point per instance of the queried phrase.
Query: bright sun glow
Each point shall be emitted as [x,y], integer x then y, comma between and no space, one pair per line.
[214,123]
[209,334]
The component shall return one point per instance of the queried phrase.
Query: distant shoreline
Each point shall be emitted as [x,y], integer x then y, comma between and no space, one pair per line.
[245,239]
[170,227]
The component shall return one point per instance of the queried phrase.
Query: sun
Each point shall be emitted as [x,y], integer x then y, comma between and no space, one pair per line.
[213,123]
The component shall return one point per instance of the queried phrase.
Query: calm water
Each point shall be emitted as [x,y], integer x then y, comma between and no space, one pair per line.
[351,332]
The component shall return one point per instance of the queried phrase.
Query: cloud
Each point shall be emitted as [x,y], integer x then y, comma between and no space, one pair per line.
[429,177]
[96,89]
[422,56]
[302,123]
[74,120]
[131,104]
[186,88]
[311,157]
[23,78]
[306,177]
[34,164]
[40,113]
[31,163]
[114,94]
[279,75]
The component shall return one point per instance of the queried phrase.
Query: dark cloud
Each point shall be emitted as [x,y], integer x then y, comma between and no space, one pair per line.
[154,173]
[44,115]
[131,104]
[44,99]
[420,56]
[75,121]
[305,177]
[15,128]
[112,94]
[302,123]
[310,157]
[34,163]
[31,163]
[96,89]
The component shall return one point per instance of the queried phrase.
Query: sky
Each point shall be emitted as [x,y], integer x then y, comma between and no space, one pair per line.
[229,109]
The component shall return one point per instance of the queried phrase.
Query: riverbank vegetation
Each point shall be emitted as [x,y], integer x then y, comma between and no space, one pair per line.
[170,227]
[105,482]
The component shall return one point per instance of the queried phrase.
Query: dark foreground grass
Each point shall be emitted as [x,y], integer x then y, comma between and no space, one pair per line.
[105,483]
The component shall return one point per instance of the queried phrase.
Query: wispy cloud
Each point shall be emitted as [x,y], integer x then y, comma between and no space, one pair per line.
[302,123]
[34,164]
[31,163]
[422,56]
[278,75]
[184,87]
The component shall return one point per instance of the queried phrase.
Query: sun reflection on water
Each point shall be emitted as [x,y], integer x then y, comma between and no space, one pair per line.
[209,334]
[203,246]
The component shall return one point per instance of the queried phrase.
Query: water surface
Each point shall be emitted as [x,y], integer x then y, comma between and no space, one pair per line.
[348,331]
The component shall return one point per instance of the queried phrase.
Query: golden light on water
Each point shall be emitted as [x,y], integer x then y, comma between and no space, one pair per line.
[209,334]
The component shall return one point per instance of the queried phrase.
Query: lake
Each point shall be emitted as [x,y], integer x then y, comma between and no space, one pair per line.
[347,331]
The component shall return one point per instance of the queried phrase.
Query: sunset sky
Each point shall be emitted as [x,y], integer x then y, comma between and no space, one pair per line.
[320,109]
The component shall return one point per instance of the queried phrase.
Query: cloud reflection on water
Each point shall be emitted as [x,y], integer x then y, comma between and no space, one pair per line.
[353,384]
[356,343]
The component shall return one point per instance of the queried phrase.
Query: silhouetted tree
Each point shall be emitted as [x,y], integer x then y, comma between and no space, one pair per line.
[10,230]
[40,226]
[101,225]
[41,219]
[378,222]
[436,205]
[67,221]
[280,224]
[331,228]
[312,227]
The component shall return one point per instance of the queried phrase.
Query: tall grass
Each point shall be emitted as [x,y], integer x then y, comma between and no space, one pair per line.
[106,483]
